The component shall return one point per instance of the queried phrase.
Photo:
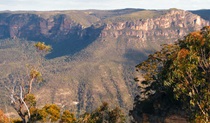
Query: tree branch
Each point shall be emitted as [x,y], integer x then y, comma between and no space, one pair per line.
[21,98]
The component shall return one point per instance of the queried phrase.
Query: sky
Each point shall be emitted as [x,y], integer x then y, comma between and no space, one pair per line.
[44,5]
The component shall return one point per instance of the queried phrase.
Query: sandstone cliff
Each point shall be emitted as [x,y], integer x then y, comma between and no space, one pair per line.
[93,57]
[60,26]
[172,25]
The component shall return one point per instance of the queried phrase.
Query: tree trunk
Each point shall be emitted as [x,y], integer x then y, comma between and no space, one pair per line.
[30,85]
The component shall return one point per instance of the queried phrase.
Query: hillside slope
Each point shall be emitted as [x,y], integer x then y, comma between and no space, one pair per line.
[94,51]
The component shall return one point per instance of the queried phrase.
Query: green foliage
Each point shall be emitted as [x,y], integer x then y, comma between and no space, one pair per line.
[34,73]
[35,116]
[16,120]
[50,112]
[43,47]
[67,117]
[116,115]
[104,114]
[182,70]
[30,100]
[142,14]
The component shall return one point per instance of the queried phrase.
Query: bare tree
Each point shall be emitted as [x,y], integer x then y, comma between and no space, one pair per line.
[18,94]
[22,87]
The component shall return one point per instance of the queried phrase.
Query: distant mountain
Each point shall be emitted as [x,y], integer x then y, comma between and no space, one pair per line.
[94,51]
[205,13]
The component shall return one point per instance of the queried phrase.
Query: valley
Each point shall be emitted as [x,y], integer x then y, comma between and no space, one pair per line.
[94,52]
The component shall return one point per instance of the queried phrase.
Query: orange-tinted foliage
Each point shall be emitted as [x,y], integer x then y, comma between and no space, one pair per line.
[197,37]
[183,53]
[3,117]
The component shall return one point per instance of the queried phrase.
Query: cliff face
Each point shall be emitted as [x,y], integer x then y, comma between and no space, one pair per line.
[34,27]
[99,57]
[59,26]
[173,25]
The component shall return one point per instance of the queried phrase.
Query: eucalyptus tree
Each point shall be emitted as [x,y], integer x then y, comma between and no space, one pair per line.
[182,71]
[20,93]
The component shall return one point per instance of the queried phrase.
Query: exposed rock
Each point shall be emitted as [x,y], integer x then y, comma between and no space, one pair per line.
[34,27]
[176,23]
[105,53]
[58,27]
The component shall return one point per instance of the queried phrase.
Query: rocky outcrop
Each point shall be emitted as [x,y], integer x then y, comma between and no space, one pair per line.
[58,27]
[102,55]
[174,24]
[34,27]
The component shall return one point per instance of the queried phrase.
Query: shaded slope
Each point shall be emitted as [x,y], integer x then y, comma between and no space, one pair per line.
[94,62]
[205,14]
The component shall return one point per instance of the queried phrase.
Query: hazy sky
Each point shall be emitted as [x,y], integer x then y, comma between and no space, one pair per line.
[102,4]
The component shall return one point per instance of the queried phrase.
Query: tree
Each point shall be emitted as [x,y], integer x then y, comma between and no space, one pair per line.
[20,94]
[181,71]
[49,112]
[24,102]
[67,117]
[41,46]
[103,115]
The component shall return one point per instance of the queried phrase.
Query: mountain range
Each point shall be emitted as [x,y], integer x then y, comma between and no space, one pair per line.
[94,51]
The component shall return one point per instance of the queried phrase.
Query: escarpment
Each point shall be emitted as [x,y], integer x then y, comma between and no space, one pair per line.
[94,52]
[166,28]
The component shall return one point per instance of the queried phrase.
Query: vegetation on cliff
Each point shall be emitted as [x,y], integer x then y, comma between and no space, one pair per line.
[94,52]
[92,60]
[178,76]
